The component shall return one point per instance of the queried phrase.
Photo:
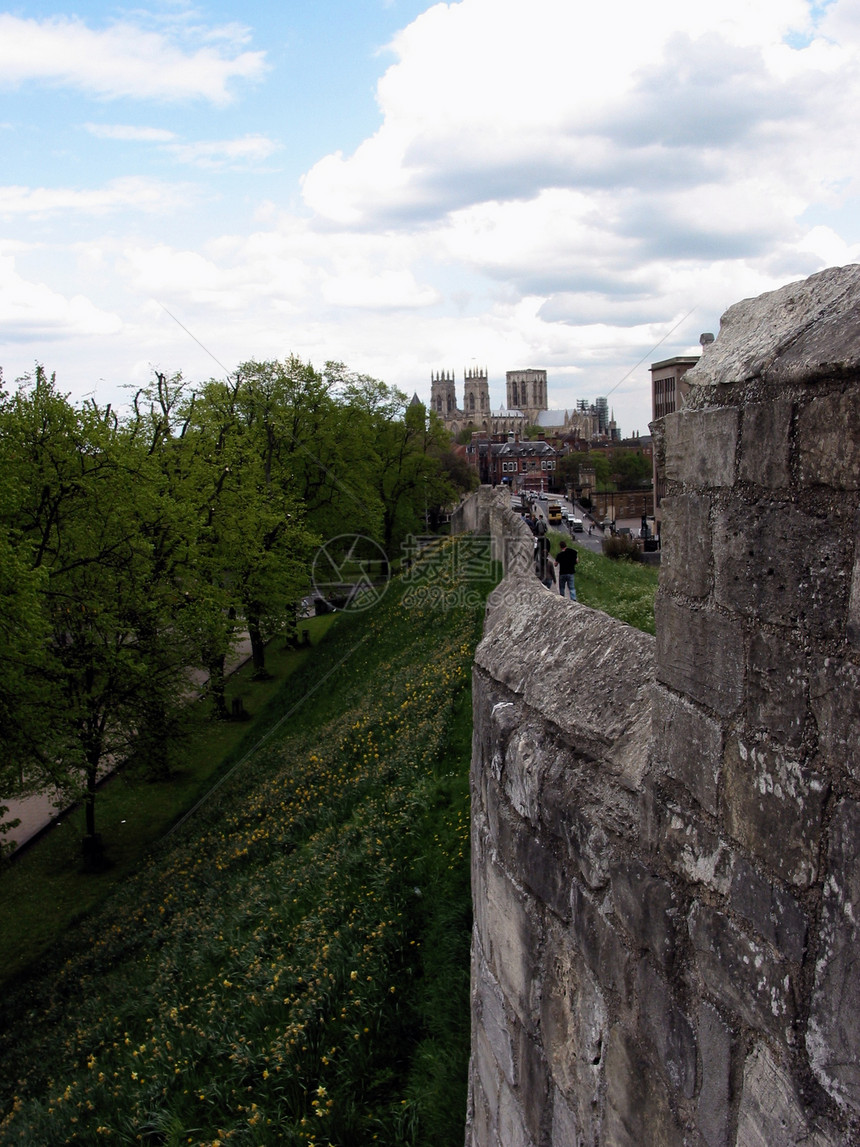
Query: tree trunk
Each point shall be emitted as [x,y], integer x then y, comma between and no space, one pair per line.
[217,685]
[291,636]
[92,844]
[258,646]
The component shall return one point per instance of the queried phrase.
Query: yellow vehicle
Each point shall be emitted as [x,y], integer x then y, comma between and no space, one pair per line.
[553,512]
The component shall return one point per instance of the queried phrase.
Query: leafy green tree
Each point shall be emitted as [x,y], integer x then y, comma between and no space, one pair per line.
[407,448]
[598,462]
[256,517]
[95,519]
[313,441]
[631,469]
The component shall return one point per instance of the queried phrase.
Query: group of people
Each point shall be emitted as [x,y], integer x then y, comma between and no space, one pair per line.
[564,563]
[546,565]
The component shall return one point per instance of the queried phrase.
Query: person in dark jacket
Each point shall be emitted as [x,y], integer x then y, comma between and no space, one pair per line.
[566,562]
[544,563]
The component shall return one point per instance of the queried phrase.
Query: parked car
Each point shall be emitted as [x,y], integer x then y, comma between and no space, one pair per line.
[576,524]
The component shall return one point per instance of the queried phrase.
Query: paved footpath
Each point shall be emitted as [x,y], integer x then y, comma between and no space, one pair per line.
[37,812]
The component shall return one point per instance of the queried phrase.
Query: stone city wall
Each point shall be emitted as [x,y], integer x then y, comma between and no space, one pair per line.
[666,833]
[488,512]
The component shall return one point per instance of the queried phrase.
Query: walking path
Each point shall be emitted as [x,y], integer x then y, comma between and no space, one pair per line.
[37,812]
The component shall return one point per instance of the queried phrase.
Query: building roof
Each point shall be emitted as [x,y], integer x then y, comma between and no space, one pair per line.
[517,449]
[678,360]
[554,417]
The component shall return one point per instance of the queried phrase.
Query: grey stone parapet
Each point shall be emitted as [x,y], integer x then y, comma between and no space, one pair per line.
[666,832]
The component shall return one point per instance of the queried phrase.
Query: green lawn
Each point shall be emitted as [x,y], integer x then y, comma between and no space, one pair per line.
[622,588]
[43,889]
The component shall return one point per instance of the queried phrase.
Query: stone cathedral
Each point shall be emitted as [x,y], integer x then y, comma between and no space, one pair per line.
[526,395]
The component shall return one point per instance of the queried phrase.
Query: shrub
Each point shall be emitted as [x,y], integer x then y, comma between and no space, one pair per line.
[621,546]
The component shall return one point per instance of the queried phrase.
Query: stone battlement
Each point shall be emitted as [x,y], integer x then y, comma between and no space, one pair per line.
[666,833]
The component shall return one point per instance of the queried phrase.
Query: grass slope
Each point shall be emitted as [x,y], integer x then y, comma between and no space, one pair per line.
[44,890]
[291,967]
[621,588]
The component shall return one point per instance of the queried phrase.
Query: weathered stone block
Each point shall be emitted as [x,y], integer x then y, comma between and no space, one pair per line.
[685,560]
[835,704]
[715,1048]
[741,973]
[645,904]
[688,745]
[532,1092]
[522,772]
[489,1012]
[774,913]
[480,1125]
[485,1075]
[565,1127]
[700,654]
[585,671]
[778,565]
[701,447]
[852,629]
[510,934]
[571,816]
[833,1036]
[770,1112]
[693,850]
[776,685]
[600,945]
[626,759]
[828,436]
[774,805]
[574,1020]
[536,858]
[800,332]
[669,1031]
[765,441]
[512,1124]
[638,1110]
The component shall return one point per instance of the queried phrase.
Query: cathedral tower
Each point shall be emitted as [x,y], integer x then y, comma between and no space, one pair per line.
[476,395]
[443,396]
[526,391]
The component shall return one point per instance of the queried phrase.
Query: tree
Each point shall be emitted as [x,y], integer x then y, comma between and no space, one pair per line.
[407,446]
[256,517]
[631,468]
[95,519]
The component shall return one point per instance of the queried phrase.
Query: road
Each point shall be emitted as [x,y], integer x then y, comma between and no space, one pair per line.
[582,538]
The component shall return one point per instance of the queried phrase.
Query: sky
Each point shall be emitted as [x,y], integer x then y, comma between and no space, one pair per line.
[411,188]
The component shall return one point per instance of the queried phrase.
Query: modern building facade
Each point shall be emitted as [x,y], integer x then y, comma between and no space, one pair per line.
[668,391]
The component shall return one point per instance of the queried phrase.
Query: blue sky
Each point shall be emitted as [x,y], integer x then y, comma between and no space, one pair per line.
[409,187]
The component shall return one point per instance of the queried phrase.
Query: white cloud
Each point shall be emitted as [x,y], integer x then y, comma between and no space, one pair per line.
[552,183]
[122,60]
[389,290]
[248,151]
[214,155]
[131,193]
[32,310]
[490,100]
[129,133]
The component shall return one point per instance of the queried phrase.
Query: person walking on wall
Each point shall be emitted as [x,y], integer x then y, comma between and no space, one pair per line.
[566,562]
[543,562]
